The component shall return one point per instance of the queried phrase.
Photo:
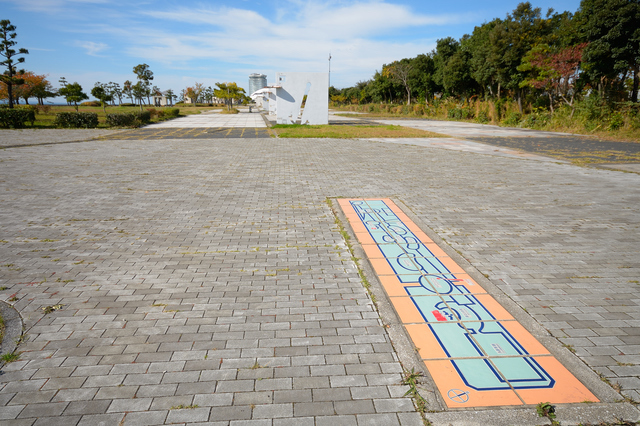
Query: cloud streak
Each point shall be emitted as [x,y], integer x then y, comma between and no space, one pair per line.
[92,48]
[218,41]
[298,38]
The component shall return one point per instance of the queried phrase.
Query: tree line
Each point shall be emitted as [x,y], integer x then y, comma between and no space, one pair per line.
[544,60]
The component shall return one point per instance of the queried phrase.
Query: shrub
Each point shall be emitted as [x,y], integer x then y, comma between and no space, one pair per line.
[482,117]
[16,117]
[128,119]
[27,108]
[77,120]
[143,116]
[128,104]
[537,119]
[616,121]
[418,109]
[168,113]
[460,113]
[513,119]
[91,104]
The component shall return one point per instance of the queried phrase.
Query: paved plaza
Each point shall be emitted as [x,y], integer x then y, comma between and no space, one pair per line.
[213,119]
[208,280]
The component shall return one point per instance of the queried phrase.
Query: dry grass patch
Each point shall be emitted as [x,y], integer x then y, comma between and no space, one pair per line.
[350,132]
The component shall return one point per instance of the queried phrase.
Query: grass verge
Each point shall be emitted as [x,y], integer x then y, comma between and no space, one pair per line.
[349,131]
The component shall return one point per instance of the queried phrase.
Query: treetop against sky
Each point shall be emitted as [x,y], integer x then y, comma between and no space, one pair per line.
[208,42]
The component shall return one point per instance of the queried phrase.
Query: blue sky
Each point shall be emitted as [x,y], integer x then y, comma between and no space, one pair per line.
[218,41]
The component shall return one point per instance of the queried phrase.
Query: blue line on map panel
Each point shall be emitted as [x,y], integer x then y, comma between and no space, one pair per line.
[461,324]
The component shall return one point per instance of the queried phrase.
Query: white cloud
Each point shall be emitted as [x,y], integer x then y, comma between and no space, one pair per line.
[92,48]
[312,19]
[360,35]
[221,43]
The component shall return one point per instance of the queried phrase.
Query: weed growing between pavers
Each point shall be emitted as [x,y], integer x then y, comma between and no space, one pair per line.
[545,409]
[411,379]
[11,357]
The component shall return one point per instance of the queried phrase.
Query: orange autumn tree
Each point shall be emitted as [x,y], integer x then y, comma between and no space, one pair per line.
[34,86]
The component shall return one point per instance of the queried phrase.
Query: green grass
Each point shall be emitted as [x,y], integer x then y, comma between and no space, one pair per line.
[349,131]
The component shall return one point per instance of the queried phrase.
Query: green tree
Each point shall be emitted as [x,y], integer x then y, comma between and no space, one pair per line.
[145,76]
[483,64]
[422,77]
[43,89]
[229,92]
[73,93]
[170,96]
[115,91]
[7,36]
[400,72]
[139,91]
[127,89]
[456,76]
[613,29]
[101,93]
[63,83]
[445,49]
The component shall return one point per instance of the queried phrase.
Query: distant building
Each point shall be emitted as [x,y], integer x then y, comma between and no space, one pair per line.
[256,82]
[161,101]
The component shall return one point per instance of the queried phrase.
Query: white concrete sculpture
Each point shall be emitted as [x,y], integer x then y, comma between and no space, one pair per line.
[261,98]
[272,103]
[291,89]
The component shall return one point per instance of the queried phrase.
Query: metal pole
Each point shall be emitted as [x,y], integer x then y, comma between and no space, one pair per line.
[329,69]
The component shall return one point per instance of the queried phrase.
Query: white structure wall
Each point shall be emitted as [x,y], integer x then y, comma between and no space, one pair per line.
[291,89]
[273,103]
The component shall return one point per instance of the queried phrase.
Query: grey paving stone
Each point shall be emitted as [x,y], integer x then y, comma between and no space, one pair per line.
[145,418]
[55,421]
[87,407]
[238,242]
[273,411]
[230,413]
[252,398]
[297,395]
[213,400]
[167,402]
[189,415]
[43,409]
[354,407]
[378,419]
[303,409]
[343,420]
[394,405]
[10,412]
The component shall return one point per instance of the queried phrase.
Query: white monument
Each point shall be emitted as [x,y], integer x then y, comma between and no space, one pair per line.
[291,89]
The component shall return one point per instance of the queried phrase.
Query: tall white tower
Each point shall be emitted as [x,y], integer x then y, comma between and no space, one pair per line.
[256,82]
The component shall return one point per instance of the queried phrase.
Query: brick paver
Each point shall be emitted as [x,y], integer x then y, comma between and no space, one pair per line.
[206,281]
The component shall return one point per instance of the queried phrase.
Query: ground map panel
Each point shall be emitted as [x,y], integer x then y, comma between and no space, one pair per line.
[476,352]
